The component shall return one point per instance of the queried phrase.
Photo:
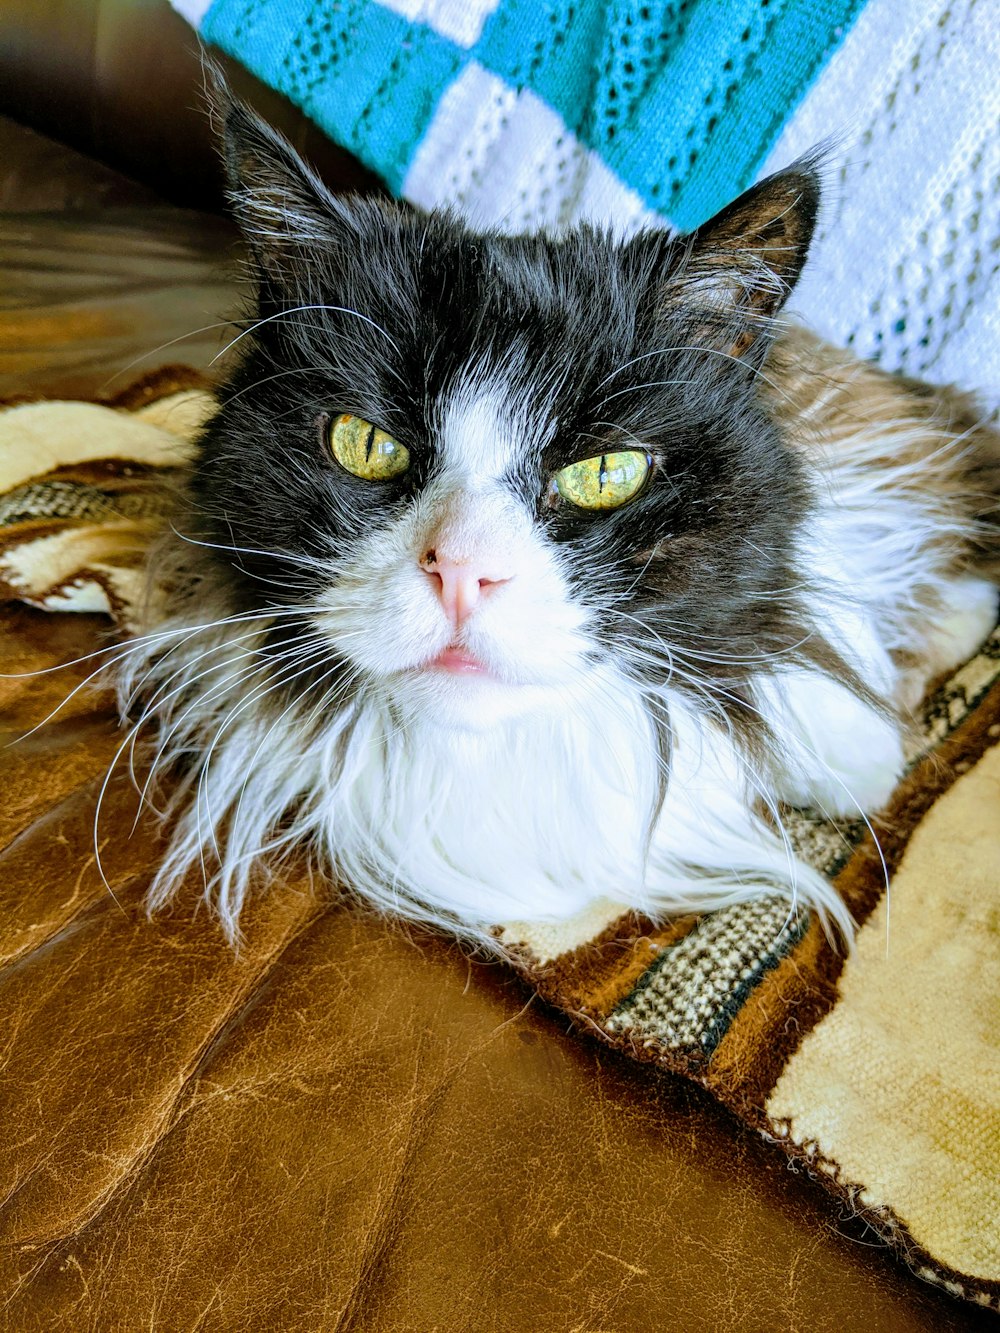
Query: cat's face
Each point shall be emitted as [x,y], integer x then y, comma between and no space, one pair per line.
[493,471]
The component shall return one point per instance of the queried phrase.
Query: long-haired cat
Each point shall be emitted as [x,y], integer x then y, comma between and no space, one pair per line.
[515,572]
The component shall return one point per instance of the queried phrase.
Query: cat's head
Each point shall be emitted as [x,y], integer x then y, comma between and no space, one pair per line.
[493,470]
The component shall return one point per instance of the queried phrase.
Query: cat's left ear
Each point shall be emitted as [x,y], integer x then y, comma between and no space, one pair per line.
[280,204]
[739,268]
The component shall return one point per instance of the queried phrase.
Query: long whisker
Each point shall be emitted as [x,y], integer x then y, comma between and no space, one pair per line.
[219,688]
[158,700]
[203,796]
[294,310]
[702,351]
[245,670]
[141,641]
[171,342]
[308,562]
[727,659]
[128,649]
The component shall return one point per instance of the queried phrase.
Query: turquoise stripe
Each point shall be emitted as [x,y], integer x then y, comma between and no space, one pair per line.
[745,123]
[559,72]
[682,101]
[691,145]
[370,79]
[677,125]
[259,36]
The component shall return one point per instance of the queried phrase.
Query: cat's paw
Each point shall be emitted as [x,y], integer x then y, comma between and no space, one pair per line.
[971,615]
[951,637]
[852,775]
[838,755]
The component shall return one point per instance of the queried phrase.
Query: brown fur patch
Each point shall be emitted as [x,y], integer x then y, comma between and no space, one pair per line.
[824,398]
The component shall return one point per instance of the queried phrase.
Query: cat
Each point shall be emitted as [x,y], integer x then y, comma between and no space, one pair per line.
[518,572]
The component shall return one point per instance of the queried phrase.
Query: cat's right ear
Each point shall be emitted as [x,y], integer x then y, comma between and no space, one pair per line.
[282,207]
[738,269]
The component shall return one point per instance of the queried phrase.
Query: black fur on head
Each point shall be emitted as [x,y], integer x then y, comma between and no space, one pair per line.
[371,308]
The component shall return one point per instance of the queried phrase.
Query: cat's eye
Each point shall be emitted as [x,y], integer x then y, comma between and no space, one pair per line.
[366,451]
[605,481]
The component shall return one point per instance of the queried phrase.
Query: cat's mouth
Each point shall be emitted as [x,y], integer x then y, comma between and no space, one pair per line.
[458,662]
[473,667]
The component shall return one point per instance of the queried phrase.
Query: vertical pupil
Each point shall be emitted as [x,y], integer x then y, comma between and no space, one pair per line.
[602,476]
[369,442]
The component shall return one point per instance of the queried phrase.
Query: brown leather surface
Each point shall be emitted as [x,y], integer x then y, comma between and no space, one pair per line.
[121,80]
[102,281]
[345,1125]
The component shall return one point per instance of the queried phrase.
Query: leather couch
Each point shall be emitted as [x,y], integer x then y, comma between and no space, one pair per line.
[347,1126]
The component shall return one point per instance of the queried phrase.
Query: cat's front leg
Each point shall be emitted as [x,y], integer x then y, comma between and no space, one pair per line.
[836,753]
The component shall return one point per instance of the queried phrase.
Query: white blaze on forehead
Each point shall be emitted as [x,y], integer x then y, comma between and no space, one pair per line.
[483,430]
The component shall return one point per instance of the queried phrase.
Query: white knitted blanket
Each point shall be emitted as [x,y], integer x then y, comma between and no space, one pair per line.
[906,268]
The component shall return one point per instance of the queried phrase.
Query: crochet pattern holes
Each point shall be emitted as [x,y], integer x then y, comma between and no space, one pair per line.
[906,266]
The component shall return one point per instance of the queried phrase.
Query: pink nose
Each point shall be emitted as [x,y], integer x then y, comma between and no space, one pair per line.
[460,585]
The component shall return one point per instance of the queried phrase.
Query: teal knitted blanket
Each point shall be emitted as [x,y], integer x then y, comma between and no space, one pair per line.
[679,101]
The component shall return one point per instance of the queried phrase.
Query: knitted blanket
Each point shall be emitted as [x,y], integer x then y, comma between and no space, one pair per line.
[879,1073]
[522,114]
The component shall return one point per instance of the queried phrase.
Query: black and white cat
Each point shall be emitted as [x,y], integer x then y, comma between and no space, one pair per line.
[516,572]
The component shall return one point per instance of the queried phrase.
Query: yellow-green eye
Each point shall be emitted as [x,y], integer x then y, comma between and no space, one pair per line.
[366,451]
[604,482]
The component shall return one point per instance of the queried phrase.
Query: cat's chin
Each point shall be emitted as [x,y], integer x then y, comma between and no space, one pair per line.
[464,696]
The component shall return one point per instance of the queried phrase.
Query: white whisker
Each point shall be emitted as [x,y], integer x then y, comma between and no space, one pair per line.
[294,310]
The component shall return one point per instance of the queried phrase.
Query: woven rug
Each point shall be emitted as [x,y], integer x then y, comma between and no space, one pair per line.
[879,1073]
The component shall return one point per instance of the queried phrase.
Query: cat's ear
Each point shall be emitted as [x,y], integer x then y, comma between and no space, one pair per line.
[739,268]
[280,204]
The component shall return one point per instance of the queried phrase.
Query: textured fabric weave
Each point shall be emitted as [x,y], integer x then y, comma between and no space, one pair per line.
[679,100]
[906,268]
